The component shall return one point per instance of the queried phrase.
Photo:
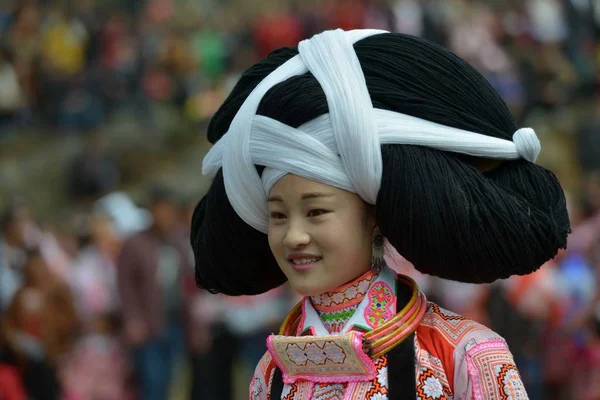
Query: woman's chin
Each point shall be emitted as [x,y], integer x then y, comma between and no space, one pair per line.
[308,289]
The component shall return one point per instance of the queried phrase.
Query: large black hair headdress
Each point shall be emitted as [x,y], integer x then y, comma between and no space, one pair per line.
[395,119]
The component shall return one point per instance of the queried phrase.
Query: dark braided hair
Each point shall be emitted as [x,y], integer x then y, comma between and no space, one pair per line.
[436,208]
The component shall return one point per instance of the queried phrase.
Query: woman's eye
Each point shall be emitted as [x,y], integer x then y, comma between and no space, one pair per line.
[316,213]
[277,215]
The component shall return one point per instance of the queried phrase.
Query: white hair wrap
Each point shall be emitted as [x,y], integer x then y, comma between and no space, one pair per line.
[342,148]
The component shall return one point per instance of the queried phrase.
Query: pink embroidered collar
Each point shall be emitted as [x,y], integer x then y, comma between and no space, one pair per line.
[335,308]
[347,295]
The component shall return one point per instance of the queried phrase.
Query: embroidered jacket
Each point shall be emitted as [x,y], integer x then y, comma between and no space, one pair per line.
[455,358]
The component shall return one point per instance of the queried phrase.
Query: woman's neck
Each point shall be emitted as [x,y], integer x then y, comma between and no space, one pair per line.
[336,307]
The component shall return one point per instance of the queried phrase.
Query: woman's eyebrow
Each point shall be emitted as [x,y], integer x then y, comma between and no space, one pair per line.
[314,195]
[305,196]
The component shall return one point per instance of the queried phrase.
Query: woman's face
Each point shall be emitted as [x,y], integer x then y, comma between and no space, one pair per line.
[320,236]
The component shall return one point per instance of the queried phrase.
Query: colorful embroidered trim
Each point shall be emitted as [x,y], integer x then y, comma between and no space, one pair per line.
[335,321]
[382,305]
[323,359]
[291,353]
[348,295]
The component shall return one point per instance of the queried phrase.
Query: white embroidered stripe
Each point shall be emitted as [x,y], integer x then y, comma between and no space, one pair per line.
[342,148]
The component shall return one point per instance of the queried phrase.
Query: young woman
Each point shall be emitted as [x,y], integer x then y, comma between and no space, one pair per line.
[324,152]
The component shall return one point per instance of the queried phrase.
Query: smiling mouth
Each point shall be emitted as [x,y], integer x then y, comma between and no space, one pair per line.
[304,263]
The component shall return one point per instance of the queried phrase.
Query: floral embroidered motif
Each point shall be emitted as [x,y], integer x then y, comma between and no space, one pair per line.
[509,381]
[432,383]
[382,305]
[433,388]
[382,377]
[429,387]
[379,387]
[296,354]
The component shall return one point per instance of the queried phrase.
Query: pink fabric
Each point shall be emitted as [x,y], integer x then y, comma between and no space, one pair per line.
[350,388]
[365,360]
[480,390]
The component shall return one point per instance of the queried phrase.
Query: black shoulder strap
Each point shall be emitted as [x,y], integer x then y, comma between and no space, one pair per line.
[277,385]
[401,363]
[401,359]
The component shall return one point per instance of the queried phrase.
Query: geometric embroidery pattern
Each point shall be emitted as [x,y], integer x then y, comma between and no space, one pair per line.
[509,382]
[452,326]
[376,389]
[336,308]
[323,359]
[348,296]
[379,386]
[329,392]
[493,372]
[300,389]
[335,321]
[289,392]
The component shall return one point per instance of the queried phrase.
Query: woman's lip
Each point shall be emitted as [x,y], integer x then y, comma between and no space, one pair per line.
[296,256]
[303,267]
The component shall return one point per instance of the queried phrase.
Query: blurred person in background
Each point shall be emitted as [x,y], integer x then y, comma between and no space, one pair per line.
[97,367]
[13,225]
[93,172]
[40,326]
[237,329]
[94,277]
[12,98]
[20,232]
[153,267]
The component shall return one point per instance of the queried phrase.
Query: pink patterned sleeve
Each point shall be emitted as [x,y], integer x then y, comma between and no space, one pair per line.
[260,385]
[484,369]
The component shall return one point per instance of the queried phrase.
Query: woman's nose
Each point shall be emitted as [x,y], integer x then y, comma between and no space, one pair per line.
[296,236]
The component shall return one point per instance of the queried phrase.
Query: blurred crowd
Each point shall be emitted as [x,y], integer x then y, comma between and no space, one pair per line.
[69,64]
[108,309]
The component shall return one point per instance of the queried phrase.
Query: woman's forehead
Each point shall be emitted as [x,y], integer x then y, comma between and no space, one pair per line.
[294,187]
